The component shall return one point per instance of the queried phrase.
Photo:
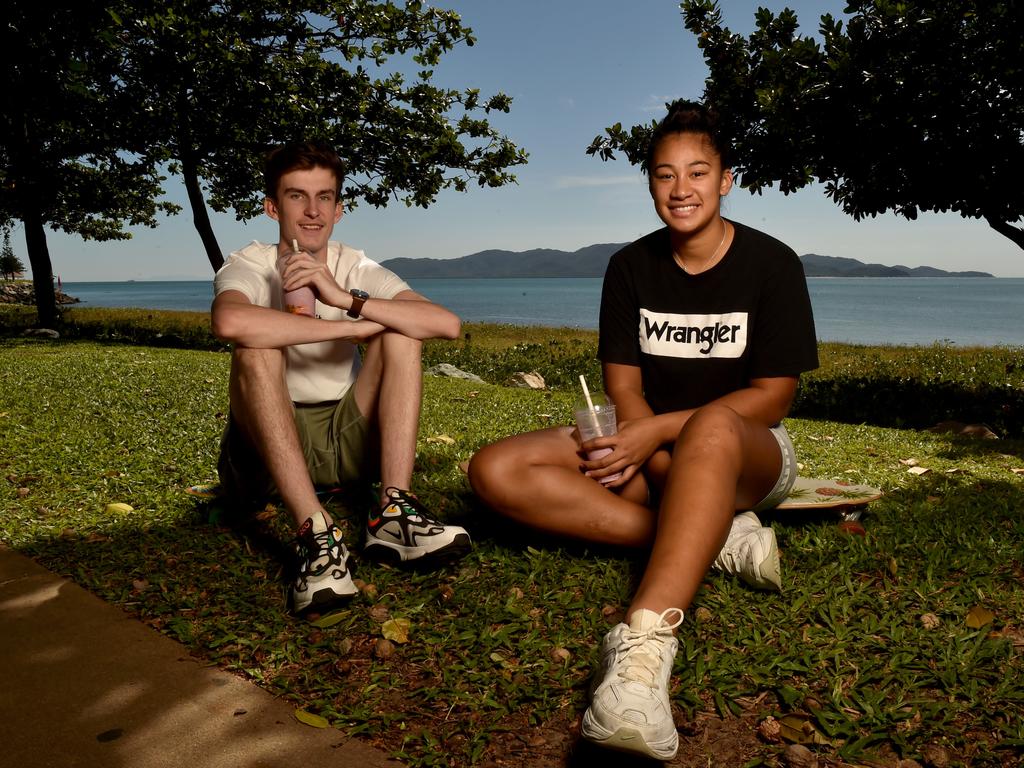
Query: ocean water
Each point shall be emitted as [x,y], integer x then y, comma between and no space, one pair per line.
[912,311]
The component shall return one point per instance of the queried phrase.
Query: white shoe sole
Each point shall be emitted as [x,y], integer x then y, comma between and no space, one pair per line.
[388,552]
[628,739]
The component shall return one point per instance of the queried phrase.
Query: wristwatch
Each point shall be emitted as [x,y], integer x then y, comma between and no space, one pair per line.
[358,299]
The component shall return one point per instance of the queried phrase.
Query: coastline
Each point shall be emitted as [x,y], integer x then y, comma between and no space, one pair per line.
[24,293]
[920,311]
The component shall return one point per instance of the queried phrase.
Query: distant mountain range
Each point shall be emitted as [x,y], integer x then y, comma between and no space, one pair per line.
[592,260]
[837,266]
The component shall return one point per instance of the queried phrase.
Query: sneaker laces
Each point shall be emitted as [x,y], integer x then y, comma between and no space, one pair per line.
[641,659]
[314,546]
[409,505]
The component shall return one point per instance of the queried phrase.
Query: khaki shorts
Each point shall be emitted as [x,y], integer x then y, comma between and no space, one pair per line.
[787,475]
[337,443]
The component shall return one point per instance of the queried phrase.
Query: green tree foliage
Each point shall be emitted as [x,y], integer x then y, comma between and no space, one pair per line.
[68,154]
[10,265]
[100,97]
[912,106]
[217,83]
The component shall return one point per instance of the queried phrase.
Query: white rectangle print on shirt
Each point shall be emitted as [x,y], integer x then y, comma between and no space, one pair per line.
[667,334]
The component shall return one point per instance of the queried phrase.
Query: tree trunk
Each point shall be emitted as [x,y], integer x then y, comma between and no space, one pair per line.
[190,174]
[1006,229]
[42,269]
[200,216]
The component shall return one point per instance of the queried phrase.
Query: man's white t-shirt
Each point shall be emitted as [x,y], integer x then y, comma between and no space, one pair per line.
[324,370]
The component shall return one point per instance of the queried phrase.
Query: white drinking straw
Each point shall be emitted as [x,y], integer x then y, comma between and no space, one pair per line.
[295,245]
[590,405]
[586,392]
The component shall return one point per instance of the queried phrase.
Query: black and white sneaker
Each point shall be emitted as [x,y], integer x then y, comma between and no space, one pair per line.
[402,531]
[323,582]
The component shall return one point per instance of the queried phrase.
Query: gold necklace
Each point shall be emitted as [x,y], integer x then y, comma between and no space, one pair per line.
[710,260]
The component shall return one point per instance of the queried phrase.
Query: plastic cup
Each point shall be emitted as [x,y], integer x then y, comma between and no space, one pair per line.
[597,422]
[301,301]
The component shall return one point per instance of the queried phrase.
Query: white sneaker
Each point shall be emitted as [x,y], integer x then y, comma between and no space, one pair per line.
[323,582]
[752,553]
[629,705]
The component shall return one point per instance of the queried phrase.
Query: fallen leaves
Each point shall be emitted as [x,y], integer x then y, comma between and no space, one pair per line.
[328,620]
[396,630]
[851,527]
[914,466]
[442,439]
[383,649]
[978,617]
[308,718]
[559,655]
[796,728]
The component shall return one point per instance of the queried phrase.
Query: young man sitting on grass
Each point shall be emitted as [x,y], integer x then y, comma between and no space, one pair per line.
[306,410]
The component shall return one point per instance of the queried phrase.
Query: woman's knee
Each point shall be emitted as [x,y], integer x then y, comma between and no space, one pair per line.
[491,468]
[712,427]
[502,470]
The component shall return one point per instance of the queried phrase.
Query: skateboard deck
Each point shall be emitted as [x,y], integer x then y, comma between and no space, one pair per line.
[816,493]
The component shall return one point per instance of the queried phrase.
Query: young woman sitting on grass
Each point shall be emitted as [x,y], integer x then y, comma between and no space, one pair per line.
[705,328]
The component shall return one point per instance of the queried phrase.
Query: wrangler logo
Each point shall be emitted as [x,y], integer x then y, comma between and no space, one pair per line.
[693,336]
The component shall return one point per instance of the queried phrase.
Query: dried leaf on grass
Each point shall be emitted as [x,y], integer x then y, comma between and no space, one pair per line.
[1015,636]
[800,730]
[329,620]
[396,630]
[308,718]
[978,617]
[443,439]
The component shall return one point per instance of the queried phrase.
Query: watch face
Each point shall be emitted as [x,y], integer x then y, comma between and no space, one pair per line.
[359,294]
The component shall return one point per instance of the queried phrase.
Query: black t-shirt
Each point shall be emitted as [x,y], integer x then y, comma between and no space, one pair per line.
[699,337]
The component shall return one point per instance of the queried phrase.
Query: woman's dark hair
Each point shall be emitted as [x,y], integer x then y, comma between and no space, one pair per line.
[301,156]
[690,117]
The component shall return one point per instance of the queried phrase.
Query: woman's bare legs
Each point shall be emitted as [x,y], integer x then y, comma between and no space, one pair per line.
[721,462]
[535,479]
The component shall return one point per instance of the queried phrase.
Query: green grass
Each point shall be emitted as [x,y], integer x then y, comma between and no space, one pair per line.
[845,646]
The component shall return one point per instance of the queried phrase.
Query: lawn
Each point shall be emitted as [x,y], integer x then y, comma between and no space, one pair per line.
[905,642]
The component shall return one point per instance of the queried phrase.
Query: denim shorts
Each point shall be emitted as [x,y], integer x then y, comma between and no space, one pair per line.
[787,475]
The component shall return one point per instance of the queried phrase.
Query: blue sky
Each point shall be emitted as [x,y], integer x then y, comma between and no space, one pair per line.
[572,68]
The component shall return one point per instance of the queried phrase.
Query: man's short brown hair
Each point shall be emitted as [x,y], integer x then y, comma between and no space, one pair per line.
[301,156]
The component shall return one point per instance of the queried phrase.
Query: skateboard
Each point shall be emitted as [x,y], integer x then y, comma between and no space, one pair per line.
[848,499]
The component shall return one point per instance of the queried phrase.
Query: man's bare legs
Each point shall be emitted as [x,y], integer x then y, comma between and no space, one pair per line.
[262,409]
[389,392]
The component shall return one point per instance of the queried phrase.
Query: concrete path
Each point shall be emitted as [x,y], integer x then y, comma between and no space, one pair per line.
[84,685]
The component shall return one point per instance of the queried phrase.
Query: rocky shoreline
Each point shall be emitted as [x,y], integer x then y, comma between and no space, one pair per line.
[25,293]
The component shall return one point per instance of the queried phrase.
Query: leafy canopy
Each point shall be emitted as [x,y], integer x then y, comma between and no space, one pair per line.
[912,106]
[220,82]
[68,153]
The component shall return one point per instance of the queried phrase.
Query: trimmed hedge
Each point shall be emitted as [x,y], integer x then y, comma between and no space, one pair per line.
[910,387]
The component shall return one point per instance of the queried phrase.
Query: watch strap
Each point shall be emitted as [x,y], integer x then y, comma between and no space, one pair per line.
[358,299]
